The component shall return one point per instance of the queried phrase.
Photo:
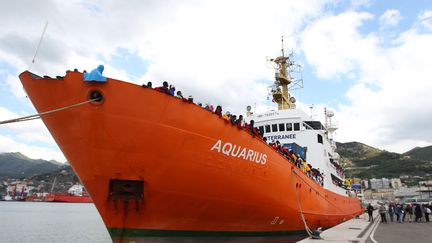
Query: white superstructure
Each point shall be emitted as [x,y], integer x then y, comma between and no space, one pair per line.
[295,126]
[292,127]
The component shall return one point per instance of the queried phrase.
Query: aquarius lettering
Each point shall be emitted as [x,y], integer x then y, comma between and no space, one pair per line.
[234,150]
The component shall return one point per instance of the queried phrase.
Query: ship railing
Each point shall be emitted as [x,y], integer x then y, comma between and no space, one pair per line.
[332,126]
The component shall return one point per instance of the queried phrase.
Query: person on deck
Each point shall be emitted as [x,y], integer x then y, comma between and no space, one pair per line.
[95,75]
[163,88]
[226,116]
[190,99]
[239,121]
[179,95]
[148,85]
[171,90]
[252,128]
[233,119]
[218,110]
[303,165]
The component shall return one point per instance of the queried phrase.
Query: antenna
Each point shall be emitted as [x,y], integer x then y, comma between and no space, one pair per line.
[282,50]
[39,44]
[311,108]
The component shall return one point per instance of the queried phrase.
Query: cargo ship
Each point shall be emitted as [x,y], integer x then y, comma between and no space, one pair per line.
[157,166]
[75,194]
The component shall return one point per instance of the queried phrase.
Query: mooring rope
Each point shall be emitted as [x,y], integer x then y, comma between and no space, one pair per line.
[343,211]
[39,115]
[308,230]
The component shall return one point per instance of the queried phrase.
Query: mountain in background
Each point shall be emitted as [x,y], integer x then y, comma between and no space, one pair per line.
[424,153]
[17,165]
[363,161]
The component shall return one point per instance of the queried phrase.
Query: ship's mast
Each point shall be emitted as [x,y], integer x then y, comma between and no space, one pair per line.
[279,90]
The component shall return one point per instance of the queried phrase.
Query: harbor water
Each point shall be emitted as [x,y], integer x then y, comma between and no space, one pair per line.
[51,222]
[22,222]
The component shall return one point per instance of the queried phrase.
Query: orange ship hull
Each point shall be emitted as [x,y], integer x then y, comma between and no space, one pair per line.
[168,146]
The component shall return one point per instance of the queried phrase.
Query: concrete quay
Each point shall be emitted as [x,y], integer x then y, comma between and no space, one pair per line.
[359,230]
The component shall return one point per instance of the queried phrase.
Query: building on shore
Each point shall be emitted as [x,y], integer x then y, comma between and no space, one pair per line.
[396,183]
[377,184]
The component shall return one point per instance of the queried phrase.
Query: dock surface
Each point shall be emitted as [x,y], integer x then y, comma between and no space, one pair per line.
[359,230]
[406,232]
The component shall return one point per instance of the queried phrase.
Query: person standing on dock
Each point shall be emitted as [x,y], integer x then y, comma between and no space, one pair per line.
[370,210]
[399,213]
[409,212]
[383,211]
[427,211]
[418,213]
[391,211]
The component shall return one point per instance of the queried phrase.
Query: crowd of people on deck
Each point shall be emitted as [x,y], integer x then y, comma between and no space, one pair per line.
[339,169]
[289,154]
[410,212]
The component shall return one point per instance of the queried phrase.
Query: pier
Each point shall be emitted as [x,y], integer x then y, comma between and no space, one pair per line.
[359,230]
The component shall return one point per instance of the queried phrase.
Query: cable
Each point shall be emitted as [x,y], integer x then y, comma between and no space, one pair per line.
[39,44]
[39,115]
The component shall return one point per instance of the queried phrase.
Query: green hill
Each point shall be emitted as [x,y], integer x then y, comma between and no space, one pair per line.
[360,160]
[424,153]
[17,165]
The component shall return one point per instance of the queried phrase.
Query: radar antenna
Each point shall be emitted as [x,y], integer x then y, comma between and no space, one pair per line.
[287,78]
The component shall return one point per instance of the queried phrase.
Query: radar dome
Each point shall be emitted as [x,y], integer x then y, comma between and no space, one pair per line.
[330,113]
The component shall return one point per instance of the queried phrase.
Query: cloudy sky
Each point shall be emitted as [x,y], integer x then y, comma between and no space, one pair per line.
[367,60]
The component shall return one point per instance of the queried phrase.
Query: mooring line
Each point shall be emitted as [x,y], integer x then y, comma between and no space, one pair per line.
[39,115]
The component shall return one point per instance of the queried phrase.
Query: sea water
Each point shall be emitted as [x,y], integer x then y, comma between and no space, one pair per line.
[22,222]
[51,222]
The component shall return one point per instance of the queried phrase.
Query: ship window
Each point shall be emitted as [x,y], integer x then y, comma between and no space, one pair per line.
[289,127]
[274,128]
[281,127]
[296,126]
[267,128]
[320,140]
[261,129]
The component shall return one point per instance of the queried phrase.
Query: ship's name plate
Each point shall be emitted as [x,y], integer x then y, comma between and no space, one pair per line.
[283,136]
[234,150]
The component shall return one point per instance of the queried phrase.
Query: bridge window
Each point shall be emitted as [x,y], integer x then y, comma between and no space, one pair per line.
[261,129]
[267,128]
[289,127]
[281,127]
[296,126]
[274,128]
[320,139]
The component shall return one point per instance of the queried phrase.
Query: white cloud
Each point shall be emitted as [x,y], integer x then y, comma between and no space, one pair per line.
[216,51]
[425,18]
[334,46]
[23,135]
[390,18]
[389,105]
[15,86]
[35,152]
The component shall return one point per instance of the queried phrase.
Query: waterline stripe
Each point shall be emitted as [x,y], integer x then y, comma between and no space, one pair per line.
[130,232]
